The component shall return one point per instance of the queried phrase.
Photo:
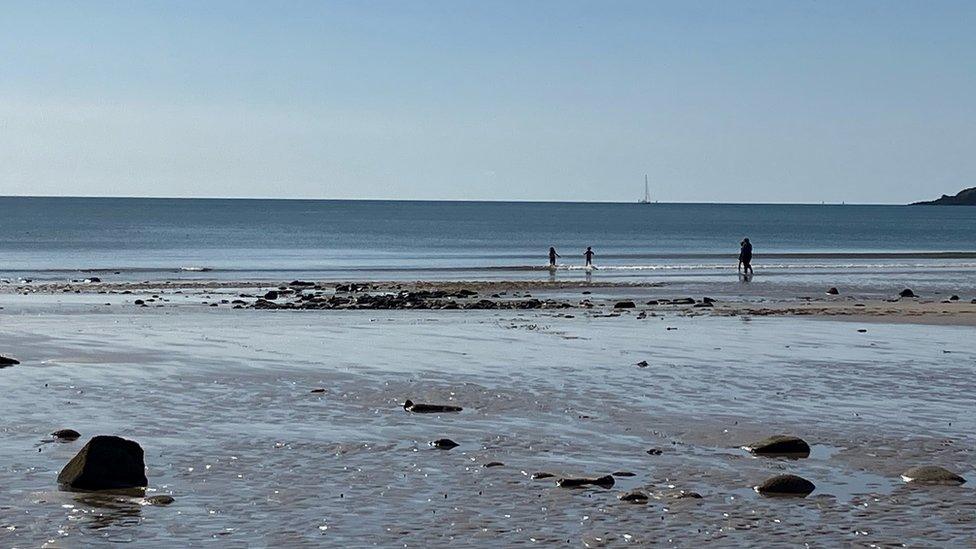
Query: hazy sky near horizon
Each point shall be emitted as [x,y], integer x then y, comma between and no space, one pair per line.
[753,101]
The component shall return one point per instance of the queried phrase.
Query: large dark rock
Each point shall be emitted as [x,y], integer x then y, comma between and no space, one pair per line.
[786,485]
[907,292]
[833,291]
[780,445]
[931,474]
[6,362]
[271,295]
[105,463]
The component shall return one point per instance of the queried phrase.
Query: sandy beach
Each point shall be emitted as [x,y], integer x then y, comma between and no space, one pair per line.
[279,426]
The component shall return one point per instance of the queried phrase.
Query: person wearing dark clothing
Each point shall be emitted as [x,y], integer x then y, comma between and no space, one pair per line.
[552,256]
[588,254]
[745,256]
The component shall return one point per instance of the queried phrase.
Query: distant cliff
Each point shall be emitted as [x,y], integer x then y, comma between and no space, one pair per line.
[966,197]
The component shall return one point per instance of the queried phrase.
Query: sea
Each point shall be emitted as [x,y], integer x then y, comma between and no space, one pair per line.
[53,239]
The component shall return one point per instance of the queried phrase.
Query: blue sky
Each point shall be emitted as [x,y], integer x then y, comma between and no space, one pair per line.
[716,101]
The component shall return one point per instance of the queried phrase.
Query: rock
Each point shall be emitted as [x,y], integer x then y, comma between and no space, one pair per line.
[300,283]
[410,406]
[833,291]
[105,463]
[66,435]
[493,464]
[862,330]
[931,474]
[444,444]
[138,302]
[954,298]
[542,475]
[624,305]
[683,301]
[707,300]
[93,279]
[907,292]
[643,364]
[317,391]
[603,482]
[271,295]
[159,500]
[623,474]
[686,495]
[780,445]
[655,451]
[786,485]
[703,304]
[6,362]
[635,496]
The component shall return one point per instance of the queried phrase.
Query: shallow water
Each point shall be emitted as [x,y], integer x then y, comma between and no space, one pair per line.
[220,401]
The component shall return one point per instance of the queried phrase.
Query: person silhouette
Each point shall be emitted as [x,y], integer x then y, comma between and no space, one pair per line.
[588,254]
[745,256]
[552,257]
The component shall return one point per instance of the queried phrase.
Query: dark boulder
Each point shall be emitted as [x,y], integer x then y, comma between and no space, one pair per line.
[707,300]
[780,445]
[907,292]
[786,485]
[624,305]
[954,298]
[683,301]
[271,295]
[300,283]
[833,291]
[417,408]
[105,463]
[541,475]
[491,464]
[7,361]
[931,474]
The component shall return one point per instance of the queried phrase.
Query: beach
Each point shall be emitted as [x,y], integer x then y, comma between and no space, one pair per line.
[285,425]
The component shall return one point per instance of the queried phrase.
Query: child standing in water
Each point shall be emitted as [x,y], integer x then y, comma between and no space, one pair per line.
[588,254]
[552,257]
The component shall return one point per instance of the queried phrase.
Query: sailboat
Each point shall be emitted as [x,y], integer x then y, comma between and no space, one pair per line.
[647,193]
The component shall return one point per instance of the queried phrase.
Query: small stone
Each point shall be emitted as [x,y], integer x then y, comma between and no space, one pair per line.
[862,331]
[686,495]
[603,482]
[317,391]
[159,500]
[833,291]
[931,474]
[655,452]
[493,464]
[138,302]
[786,485]
[541,475]
[780,445]
[624,305]
[444,444]
[623,474]
[66,435]
[635,496]
[271,295]
[643,364]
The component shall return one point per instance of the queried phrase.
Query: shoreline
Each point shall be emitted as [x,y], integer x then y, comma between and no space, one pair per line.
[598,298]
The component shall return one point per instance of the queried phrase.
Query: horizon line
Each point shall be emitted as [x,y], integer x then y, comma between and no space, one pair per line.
[462,200]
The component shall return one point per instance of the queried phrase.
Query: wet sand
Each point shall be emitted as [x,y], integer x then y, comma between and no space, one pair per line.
[221,401]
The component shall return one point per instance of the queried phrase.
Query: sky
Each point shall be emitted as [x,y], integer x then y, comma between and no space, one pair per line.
[716,101]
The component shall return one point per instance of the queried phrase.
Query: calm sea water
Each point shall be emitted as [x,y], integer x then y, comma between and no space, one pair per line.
[61,238]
